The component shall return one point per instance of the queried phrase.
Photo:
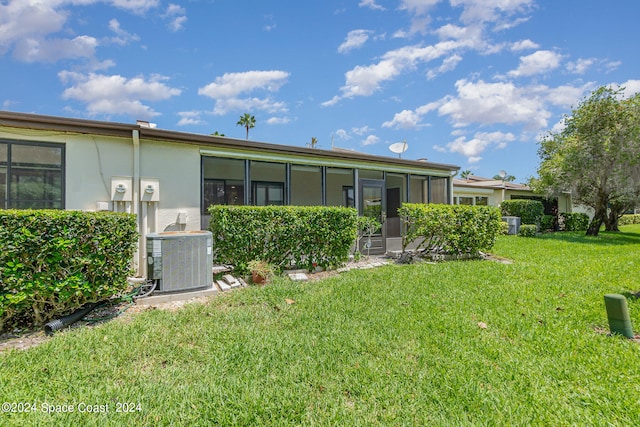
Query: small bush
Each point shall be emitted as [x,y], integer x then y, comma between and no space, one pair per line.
[529,211]
[449,229]
[284,236]
[573,221]
[527,230]
[53,262]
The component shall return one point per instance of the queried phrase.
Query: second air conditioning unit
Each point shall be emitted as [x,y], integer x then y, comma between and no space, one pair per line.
[180,261]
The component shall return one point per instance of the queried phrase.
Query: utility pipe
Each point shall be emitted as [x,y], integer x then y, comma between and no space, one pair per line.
[135,200]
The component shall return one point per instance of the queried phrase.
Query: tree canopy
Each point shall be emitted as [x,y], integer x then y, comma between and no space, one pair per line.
[596,157]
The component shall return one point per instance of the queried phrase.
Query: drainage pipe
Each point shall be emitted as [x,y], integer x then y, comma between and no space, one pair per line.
[62,322]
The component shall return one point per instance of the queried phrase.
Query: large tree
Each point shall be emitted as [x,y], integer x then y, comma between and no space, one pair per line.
[248,121]
[596,157]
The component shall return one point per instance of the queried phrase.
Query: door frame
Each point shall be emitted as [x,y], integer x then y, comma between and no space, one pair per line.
[378,241]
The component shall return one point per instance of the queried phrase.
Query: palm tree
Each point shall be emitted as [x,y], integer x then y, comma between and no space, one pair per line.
[506,178]
[248,121]
[314,142]
[465,174]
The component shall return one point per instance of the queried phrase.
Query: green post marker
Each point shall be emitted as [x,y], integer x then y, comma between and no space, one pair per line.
[618,314]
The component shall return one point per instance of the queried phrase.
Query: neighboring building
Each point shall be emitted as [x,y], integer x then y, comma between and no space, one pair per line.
[170,178]
[475,190]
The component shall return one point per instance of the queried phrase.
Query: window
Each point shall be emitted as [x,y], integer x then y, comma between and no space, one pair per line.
[223,182]
[267,183]
[482,201]
[348,197]
[222,192]
[31,175]
[268,193]
[465,200]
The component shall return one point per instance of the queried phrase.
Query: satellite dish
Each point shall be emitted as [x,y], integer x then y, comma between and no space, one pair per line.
[502,174]
[399,148]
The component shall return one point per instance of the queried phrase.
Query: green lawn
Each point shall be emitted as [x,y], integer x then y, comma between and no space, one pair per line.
[397,345]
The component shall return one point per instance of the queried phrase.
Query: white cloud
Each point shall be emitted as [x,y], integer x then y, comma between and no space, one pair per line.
[138,7]
[115,94]
[490,103]
[190,118]
[481,141]
[176,15]
[37,31]
[405,119]
[631,87]
[122,37]
[490,10]
[355,39]
[371,4]
[52,50]
[342,134]
[370,140]
[417,7]
[230,85]
[278,120]
[361,130]
[364,81]
[408,119]
[448,64]
[524,45]
[539,62]
[227,89]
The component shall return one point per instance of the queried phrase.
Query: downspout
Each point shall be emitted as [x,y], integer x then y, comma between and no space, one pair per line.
[135,197]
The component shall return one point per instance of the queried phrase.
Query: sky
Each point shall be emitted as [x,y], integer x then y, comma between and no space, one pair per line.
[473,83]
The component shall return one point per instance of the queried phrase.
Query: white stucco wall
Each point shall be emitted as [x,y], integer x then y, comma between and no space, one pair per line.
[177,166]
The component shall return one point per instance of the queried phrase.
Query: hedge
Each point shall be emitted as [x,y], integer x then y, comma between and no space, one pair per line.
[629,219]
[449,229]
[53,262]
[573,221]
[285,236]
[529,211]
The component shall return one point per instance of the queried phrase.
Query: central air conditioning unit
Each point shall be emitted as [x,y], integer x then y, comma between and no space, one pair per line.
[180,260]
[514,223]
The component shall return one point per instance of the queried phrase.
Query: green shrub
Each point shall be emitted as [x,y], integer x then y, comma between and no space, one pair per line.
[504,228]
[529,211]
[548,222]
[573,221]
[449,229]
[284,236]
[629,219]
[527,230]
[53,262]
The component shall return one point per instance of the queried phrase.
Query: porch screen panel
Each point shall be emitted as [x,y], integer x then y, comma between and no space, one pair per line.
[3,176]
[35,176]
[418,189]
[223,182]
[339,187]
[396,187]
[306,185]
[267,183]
[439,190]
